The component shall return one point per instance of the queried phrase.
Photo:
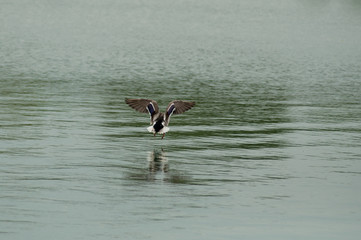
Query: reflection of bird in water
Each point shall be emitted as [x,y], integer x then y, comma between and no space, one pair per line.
[159,169]
[157,161]
[159,120]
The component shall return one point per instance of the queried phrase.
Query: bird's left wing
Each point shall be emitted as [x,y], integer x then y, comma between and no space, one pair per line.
[143,105]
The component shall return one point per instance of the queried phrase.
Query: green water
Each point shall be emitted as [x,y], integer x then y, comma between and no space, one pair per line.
[270,151]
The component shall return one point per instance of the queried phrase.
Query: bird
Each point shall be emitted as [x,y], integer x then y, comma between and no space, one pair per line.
[158,120]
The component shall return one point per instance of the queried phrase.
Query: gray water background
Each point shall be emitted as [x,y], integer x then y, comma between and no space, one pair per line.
[272,149]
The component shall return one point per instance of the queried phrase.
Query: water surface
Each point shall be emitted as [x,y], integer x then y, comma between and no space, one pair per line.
[271,150]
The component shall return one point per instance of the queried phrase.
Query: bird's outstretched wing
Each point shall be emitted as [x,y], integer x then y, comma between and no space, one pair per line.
[177,107]
[143,105]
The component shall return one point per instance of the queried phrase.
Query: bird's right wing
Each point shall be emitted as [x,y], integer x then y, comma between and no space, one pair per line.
[177,107]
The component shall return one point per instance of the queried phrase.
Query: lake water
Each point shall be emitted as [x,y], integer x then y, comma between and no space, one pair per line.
[272,149]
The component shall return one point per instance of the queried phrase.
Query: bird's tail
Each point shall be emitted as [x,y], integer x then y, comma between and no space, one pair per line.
[163,130]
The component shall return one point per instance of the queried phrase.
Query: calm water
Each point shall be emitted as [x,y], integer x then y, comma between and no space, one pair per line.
[272,149]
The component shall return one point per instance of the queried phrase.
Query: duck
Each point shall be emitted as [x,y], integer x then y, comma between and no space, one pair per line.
[159,121]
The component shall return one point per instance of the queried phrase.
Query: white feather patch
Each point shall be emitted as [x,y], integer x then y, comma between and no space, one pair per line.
[163,130]
[150,129]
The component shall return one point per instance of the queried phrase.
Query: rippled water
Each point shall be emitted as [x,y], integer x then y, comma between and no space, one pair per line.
[271,150]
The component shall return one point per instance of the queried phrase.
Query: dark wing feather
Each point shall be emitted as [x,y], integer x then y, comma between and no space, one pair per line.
[178,107]
[143,105]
